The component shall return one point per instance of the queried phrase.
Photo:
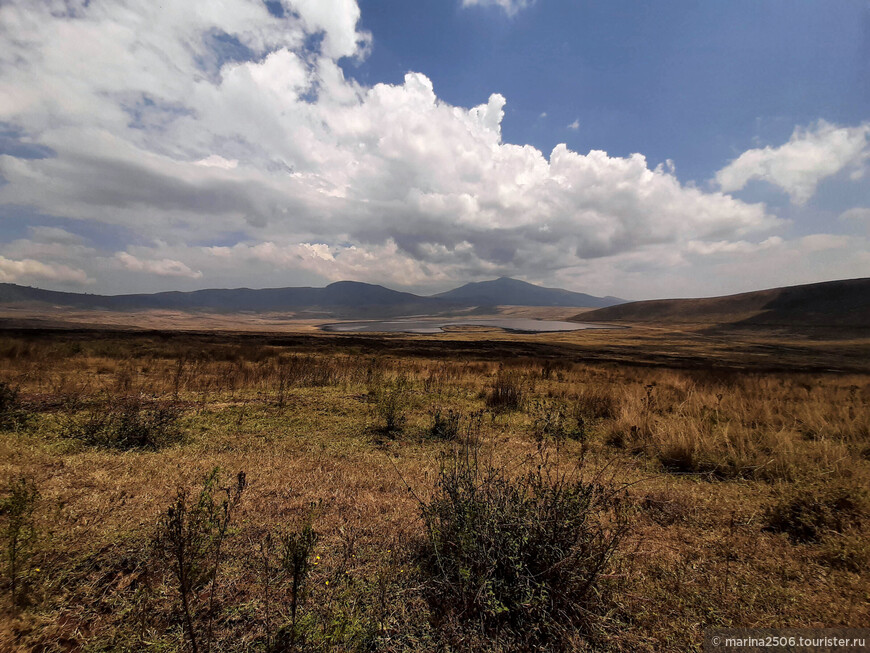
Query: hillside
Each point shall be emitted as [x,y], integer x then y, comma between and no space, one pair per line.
[828,304]
[512,292]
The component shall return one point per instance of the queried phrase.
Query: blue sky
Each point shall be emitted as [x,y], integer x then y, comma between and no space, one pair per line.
[429,143]
[695,82]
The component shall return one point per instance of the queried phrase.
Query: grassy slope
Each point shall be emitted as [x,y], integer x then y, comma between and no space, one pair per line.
[836,304]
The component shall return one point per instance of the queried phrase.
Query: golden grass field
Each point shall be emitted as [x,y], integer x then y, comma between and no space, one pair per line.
[741,461]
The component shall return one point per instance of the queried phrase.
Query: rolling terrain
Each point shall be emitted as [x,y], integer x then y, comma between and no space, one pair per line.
[343,297]
[340,299]
[832,304]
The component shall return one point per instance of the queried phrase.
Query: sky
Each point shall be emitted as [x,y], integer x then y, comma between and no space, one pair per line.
[637,149]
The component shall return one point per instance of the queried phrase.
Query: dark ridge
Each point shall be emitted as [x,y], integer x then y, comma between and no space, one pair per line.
[831,304]
[348,296]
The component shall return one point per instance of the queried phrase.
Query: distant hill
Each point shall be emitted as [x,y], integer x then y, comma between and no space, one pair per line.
[828,304]
[342,297]
[512,292]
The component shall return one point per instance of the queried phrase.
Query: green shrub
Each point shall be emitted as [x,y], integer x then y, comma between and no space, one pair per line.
[295,551]
[391,402]
[128,425]
[190,535]
[13,415]
[519,559]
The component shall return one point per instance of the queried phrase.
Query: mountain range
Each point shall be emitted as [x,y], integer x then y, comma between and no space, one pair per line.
[343,298]
[832,304]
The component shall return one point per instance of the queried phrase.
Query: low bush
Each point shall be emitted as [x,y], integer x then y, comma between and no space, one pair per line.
[663,509]
[849,552]
[445,425]
[553,422]
[807,514]
[518,559]
[129,425]
[13,414]
[19,533]
[455,426]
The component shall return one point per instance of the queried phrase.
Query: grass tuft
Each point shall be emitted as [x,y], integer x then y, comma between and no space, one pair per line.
[506,392]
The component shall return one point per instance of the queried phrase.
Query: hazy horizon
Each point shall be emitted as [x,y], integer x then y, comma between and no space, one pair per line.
[432,293]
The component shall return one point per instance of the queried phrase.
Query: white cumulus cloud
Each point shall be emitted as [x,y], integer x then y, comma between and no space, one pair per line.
[164,267]
[811,155]
[31,270]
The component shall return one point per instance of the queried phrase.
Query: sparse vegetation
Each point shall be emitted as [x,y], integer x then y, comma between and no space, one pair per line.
[744,492]
[808,514]
[190,536]
[391,403]
[130,424]
[13,415]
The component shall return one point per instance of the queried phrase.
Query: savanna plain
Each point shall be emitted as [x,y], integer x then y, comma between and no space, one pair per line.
[616,490]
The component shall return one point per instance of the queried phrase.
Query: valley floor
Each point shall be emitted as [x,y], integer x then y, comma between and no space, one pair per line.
[737,463]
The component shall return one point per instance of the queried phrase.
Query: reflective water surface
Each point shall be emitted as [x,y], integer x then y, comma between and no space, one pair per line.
[524,325]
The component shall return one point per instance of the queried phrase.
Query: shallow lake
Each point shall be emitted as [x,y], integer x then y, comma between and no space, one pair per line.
[522,325]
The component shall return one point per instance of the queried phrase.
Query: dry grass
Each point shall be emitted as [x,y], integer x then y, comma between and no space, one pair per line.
[721,466]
